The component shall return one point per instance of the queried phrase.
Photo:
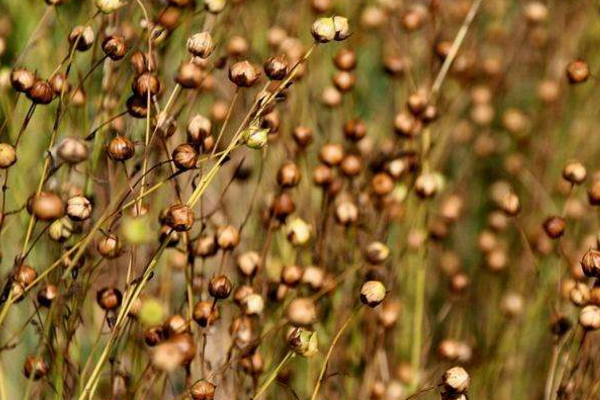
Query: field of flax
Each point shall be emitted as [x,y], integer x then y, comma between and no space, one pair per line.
[303,200]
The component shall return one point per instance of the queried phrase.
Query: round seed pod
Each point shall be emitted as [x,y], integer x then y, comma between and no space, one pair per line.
[243,74]
[249,263]
[175,324]
[282,206]
[590,263]
[120,148]
[41,93]
[372,293]
[510,204]
[82,37]
[72,150]
[377,253]
[215,6]
[382,184]
[220,287]
[146,83]
[202,390]
[22,80]
[201,45]
[35,368]
[345,59]
[114,47]
[205,246]
[59,84]
[291,275]
[554,226]
[574,172]
[456,381]
[351,165]
[137,106]
[46,206]
[227,237]
[301,312]
[198,129]
[79,208]
[189,76]
[303,136]
[8,155]
[109,247]
[25,275]
[314,277]
[346,213]
[355,130]
[179,217]
[109,298]
[344,81]
[589,318]
[276,68]
[185,156]
[205,314]
[578,71]
[331,154]
[323,30]
[289,175]
[426,185]
[253,304]
[47,295]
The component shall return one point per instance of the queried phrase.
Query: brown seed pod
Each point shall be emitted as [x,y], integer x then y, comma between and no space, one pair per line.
[198,128]
[201,45]
[344,81]
[456,381]
[578,71]
[590,263]
[289,175]
[154,335]
[594,193]
[220,287]
[179,217]
[8,155]
[109,247]
[114,47]
[276,68]
[25,275]
[120,148]
[282,206]
[22,79]
[249,263]
[109,298]
[59,84]
[303,136]
[227,237]
[189,76]
[72,150]
[346,213]
[137,106]
[185,156]
[345,59]
[46,206]
[140,62]
[589,318]
[355,130]
[41,92]
[243,74]
[574,172]
[202,390]
[47,295]
[35,368]
[205,314]
[79,208]
[382,184]
[82,37]
[331,154]
[351,165]
[554,226]
[146,83]
[372,293]
[205,246]
[301,312]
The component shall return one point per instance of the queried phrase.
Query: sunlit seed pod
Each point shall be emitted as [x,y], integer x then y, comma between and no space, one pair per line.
[179,217]
[114,47]
[276,68]
[185,157]
[82,37]
[344,81]
[314,277]
[25,275]
[414,18]
[289,175]
[346,213]
[202,390]
[578,71]
[109,247]
[60,84]
[73,150]
[303,342]
[345,60]
[79,208]
[574,172]
[554,226]
[46,295]
[426,185]
[205,313]
[389,312]
[331,154]
[456,380]
[205,246]
[331,97]
[291,275]
[189,76]
[590,263]
[8,155]
[548,91]
[140,63]
[377,252]
[351,165]
[244,74]
[41,93]
[120,149]
[323,30]
[109,6]
[510,204]
[372,293]
[198,128]
[46,206]
[459,283]
[215,6]
[382,184]
[109,298]
[303,136]
[589,318]
[22,80]
[227,237]
[404,124]
[35,368]
[146,84]
[301,312]
[253,304]
[201,44]
[512,305]
[536,12]
[580,294]
[220,287]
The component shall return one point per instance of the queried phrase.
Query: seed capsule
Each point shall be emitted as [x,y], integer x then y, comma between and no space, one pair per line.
[146,83]
[301,312]
[114,47]
[202,390]
[201,45]
[120,148]
[249,263]
[227,237]
[243,74]
[46,206]
[456,380]
[22,79]
[35,368]
[41,92]
[72,150]
[109,298]
[47,295]
[198,129]
[220,287]
[578,71]
[372,293]
[215,6]
[8,155]
[79,208]
[589,318]
[205,314]
[185,156]
[109,247]
[288,175]
[82,37]
[189,76]
[345,60]
[179,217]
[554,226]
[574,172]
[323,30]
[590,263]
[276,68]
